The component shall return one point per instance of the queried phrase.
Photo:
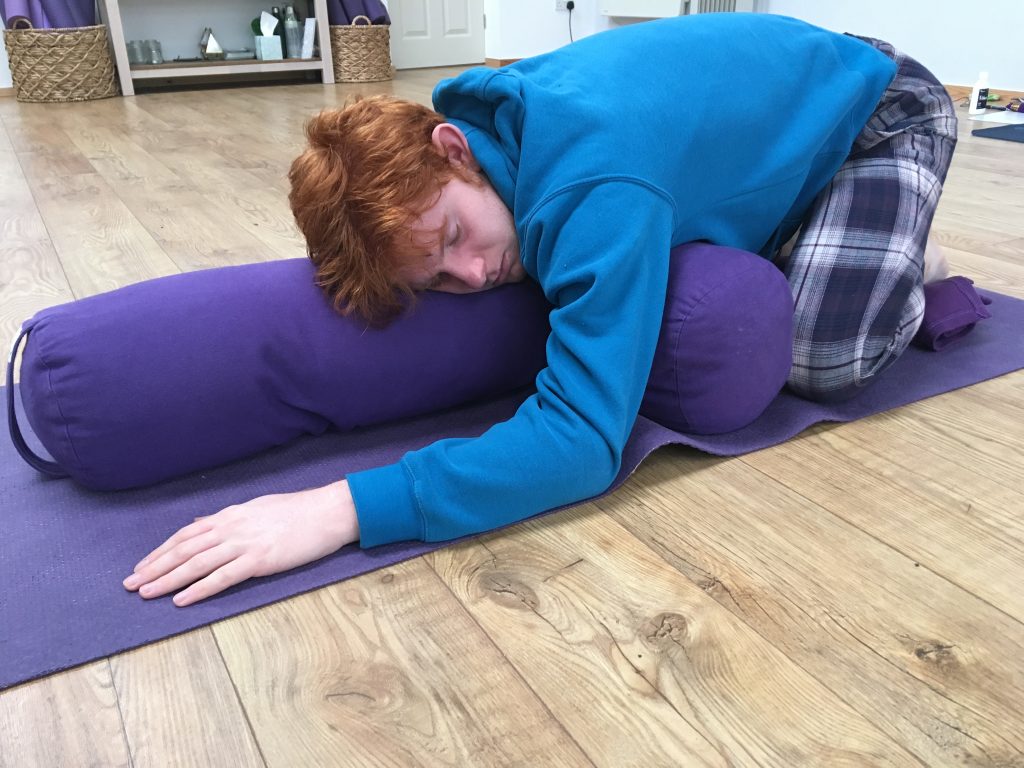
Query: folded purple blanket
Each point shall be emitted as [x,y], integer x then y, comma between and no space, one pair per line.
[952,309]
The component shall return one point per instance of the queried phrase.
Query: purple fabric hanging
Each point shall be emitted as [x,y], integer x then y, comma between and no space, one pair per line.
[70,13]
[48,14]
[17,11]
[341,12]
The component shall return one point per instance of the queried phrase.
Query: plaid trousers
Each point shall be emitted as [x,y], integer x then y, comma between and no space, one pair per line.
[857,263]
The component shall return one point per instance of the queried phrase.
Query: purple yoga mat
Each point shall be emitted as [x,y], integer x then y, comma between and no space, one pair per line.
[16,12]
[65,550]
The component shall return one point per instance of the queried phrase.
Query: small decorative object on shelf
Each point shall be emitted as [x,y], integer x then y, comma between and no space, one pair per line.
[292,34]
[136,52]
[152,52]
[268,44]
[209,48]
[309,38]
[279,29]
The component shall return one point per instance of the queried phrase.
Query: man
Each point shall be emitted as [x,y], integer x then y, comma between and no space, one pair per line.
[580,169]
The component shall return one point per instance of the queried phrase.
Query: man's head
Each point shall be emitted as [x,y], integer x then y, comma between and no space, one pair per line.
[391,200]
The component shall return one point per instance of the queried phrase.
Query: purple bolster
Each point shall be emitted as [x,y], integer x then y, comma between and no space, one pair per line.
[726,343]
[182,373]
[186,372]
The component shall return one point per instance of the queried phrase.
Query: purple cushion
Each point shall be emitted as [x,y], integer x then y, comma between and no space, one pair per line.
[726,343]
[186,372]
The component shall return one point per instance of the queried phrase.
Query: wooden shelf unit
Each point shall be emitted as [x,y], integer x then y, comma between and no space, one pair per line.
[128,73]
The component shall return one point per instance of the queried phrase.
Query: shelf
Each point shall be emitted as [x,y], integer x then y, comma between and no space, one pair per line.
[241,66]
[127,74]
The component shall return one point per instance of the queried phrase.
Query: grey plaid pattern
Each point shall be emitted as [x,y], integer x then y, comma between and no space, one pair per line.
[856,267]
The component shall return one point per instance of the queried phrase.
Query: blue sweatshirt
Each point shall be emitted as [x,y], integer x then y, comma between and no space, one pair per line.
[608,152]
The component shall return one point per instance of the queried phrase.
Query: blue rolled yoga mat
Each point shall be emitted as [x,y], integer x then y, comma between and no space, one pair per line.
[65,549]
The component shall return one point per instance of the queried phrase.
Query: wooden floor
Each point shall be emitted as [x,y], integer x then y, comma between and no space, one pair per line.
[853,597]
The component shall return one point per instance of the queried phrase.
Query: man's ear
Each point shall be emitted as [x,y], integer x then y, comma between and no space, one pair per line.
[452,142]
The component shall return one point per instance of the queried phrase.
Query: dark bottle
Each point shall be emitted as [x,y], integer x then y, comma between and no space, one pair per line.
[279,29]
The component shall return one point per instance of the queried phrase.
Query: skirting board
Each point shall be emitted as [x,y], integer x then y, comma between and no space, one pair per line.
[957,92]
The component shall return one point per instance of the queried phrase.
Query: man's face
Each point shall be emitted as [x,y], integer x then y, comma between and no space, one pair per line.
[478,246]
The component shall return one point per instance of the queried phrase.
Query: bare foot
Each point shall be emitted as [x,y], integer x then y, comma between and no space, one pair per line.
[935,265]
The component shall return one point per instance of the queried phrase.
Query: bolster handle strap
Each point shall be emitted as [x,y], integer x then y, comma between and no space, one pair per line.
[49,468]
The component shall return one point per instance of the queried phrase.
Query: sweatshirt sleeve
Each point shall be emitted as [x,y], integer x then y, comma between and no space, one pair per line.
[601,256]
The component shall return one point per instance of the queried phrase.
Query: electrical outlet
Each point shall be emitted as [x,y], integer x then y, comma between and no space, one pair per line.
[561,5]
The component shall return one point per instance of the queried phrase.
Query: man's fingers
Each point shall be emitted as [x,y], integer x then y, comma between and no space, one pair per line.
[229,574]
[173,558]
[189,571]
[190,530]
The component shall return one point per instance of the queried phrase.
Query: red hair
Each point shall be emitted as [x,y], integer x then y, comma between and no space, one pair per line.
[369,171]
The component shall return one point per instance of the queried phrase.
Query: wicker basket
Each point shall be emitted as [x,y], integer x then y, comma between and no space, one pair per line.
[49,65]
[361,52]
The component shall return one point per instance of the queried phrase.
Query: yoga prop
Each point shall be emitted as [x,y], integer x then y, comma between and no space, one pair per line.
[951,310]
[65,550]
[22,13]
[187,372]
[344,12]
[49,14]
[1005,132]
[726,341]
[71,13]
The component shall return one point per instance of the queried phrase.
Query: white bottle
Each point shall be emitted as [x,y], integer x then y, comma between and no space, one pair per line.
[979,96]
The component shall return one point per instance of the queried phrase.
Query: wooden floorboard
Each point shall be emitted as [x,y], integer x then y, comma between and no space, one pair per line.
[588,613]
[892,638]
[342,693]
[851,597]
[31,275]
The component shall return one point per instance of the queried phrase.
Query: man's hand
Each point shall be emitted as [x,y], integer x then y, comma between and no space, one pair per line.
[267,535]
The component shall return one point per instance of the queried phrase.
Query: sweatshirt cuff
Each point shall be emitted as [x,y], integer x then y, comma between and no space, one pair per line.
[385,506]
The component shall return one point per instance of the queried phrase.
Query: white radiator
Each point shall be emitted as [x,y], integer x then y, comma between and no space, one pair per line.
[718,6]
[643,9]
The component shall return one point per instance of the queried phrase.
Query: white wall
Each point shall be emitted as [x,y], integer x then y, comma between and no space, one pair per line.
[954,39]
[524,28]
[5,70]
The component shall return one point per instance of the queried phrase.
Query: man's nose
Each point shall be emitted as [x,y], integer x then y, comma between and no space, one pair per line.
[473,272]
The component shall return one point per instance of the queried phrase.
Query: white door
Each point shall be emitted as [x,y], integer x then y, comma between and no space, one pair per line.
[436,33]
